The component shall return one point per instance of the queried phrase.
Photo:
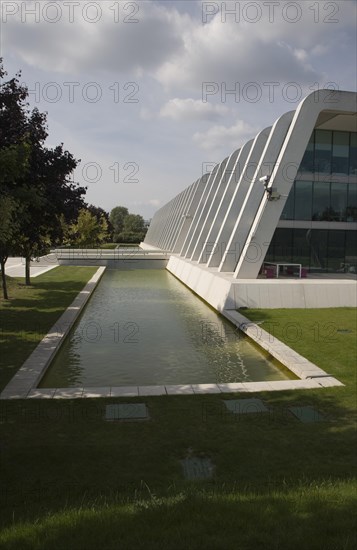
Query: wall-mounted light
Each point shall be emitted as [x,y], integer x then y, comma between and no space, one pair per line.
[264,180]
[271,192]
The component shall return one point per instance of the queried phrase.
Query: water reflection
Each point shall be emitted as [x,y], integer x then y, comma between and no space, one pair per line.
[144,327]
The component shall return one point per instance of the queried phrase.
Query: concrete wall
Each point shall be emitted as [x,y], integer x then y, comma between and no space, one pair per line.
[128,263]
[223,292]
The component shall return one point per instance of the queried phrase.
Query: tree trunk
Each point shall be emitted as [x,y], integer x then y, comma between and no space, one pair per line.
[3,277]
[27,271]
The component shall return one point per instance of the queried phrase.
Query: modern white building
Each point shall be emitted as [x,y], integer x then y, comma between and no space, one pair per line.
[284,204]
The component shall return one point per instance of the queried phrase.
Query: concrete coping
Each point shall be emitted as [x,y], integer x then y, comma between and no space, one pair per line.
[183,389]
[296,363]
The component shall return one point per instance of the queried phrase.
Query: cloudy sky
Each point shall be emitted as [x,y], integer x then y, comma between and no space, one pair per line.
[150,94]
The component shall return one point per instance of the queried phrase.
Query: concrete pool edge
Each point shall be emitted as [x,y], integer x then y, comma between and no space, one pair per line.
[24,383]
[293,361]
[183,389]
[35,366]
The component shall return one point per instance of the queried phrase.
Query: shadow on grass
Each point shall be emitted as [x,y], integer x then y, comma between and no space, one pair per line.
[54,295]
[76,456]
[321,517]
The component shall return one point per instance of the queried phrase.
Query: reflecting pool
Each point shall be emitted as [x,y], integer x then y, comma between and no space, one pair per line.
[144,327]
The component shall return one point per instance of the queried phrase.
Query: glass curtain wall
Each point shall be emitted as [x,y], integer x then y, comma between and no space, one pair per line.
[324,191]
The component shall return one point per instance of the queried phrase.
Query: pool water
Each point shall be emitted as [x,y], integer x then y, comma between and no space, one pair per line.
[144,327]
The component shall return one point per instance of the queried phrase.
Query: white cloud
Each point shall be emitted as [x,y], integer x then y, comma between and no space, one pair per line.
[180,109]
[169,53]
[300,54]
[110,43]
[154,202]
[224,50]
[177,49]
[218,52]
[223,137]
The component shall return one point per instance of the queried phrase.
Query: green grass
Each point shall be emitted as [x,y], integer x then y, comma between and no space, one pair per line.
[104,246]
[327,337]
[31,311]
[108,246]
[72,480]
[276,520]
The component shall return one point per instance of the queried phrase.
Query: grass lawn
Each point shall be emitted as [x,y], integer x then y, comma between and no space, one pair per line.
[31,311]
[72,480]
[103,246]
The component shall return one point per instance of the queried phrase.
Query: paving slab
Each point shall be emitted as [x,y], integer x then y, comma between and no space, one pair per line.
[328,381]
[17,269]
[96,392]
[197,468]
[279,385]
[14,395]
[306,384]
[257,386]
[206,388]
[232,387]
[126,411]
[68,393]
[306,414]
[41,393]
[245,406]
[125,391]
[152,390]
[182,389]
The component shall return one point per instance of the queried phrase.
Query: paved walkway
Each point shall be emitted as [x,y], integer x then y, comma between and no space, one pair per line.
[15,267]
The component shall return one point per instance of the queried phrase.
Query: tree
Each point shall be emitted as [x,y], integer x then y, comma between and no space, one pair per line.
[8,230]
[117,217]
[13,164]
[134,223]
[88,230]
[134,229]
[99,213]
[45,192]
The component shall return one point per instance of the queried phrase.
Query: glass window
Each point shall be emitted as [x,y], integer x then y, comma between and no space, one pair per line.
[353,154]
[269,257]
[351,211]
[301,247]
[340,152]
[338,202]
[323,150]
[288,212]
[307,163]
[318,248]
[336,251]
[351,251]
[281,247]
[321,250]
[303,200]
[321,210]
